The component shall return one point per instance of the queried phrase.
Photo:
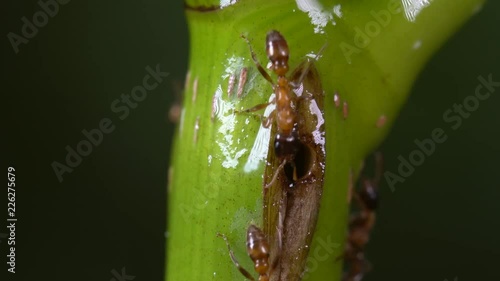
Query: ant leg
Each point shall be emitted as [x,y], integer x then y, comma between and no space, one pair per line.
[279,229]
[275,176]
[259,66]
[266,121]
[235,261]
[255,108]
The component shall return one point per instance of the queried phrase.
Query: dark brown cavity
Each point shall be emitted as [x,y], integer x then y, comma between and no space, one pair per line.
[305,160]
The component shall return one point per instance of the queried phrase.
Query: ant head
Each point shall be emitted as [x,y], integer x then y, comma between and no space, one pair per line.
[277,52]
[369,195]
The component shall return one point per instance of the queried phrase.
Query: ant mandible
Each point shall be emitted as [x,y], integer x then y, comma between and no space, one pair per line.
[259,251]
[286,141]
[361,224]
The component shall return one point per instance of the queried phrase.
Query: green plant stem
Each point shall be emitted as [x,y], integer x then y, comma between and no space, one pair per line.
[210,189]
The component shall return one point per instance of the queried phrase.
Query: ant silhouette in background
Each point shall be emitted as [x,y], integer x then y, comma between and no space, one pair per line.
[361,223]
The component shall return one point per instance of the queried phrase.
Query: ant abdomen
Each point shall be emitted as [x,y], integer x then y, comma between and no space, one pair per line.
[277,52]
[286,146]
[258,249]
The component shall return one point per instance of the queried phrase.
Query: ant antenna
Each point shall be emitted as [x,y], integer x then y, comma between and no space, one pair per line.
[308,65]
[233,258]
[275,176]
[256,61]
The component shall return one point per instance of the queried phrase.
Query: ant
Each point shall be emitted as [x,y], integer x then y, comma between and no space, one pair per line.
[259,251]
[361,224]
[286,141]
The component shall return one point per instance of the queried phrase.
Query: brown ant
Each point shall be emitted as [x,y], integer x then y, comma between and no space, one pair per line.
[259,251]
[286,142]
[361,224]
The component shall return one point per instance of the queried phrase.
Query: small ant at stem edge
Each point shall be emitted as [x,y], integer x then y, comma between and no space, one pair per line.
[258,250]
[361,224]
[286,142]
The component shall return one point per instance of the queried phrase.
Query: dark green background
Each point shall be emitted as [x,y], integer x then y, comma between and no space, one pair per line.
[109,213]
